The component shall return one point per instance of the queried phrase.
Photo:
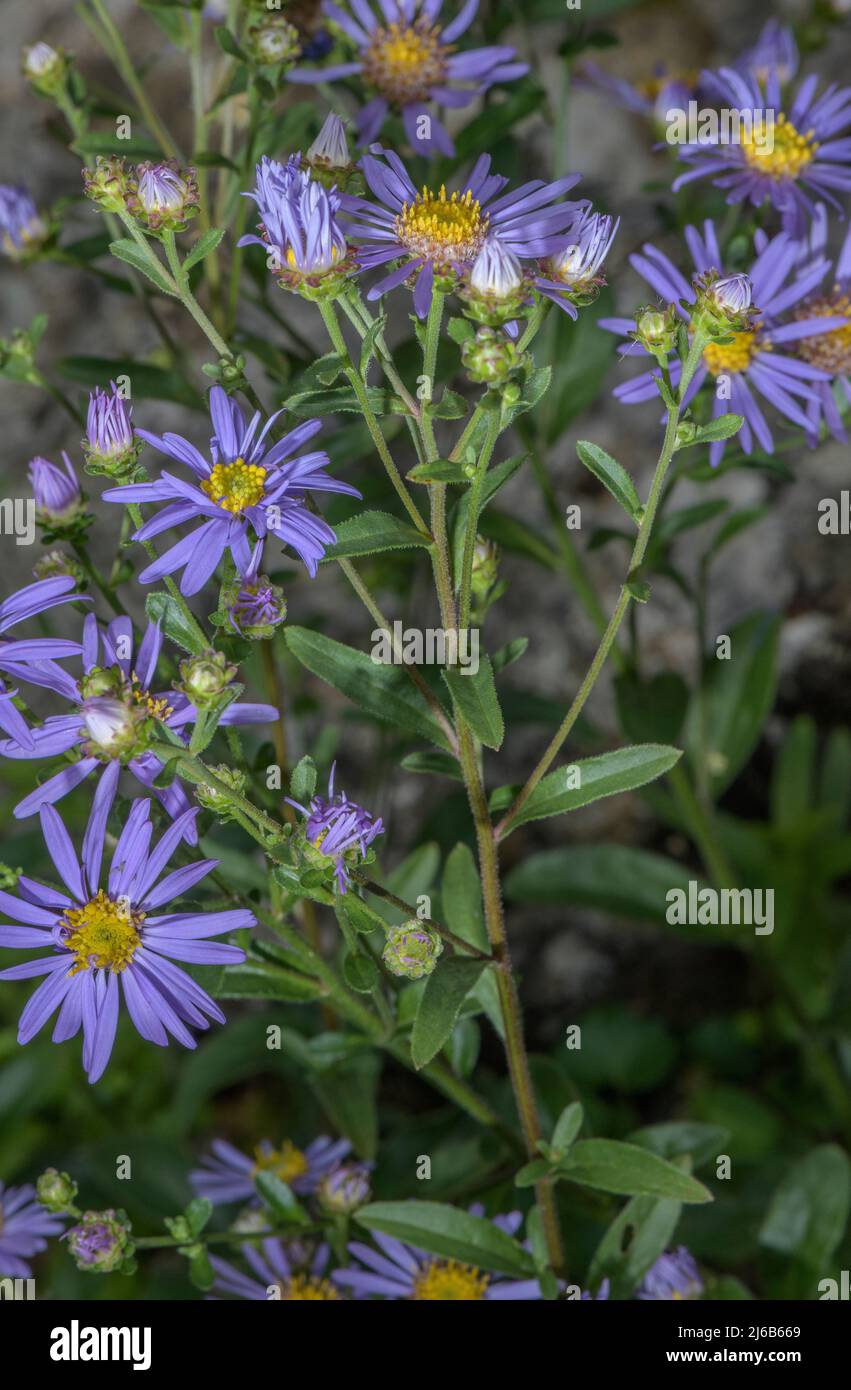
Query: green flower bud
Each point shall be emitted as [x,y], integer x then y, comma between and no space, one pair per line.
[56,564]
[46,68]
[412,950]
[9,877]
[723,305]
[656,330]
[107,183]
[490,357]
[485,566]
[101,680]
[219,802]
[272,42]
[205,677]
[56,1191]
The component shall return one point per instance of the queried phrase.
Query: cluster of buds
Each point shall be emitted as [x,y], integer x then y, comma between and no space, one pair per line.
[496,288]
[60,505]
[723,305]
[57,1191]
[345,1189]
[205,678]
[161,196]
[412,950]
[490,357]
[46,68]
[111,446]
[106,184]
[101,1242]
[217,801]
[272,42]
[253,607]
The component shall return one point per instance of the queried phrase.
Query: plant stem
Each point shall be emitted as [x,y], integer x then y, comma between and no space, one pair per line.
[474,506]
[114,44]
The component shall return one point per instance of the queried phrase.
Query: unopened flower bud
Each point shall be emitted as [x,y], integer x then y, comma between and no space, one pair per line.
[45,67]
[111,446]
[219,802]
[273,41]
[345,1189]
[205,677]
[162,196]
[411,950]
[111,725]
[328,157]
[58,499]
[101,1241]
[722,306]
[254,607]
[107,183]
[9,877]
[490,356]
[57,565]
[496,289]
[656,330]
[56,1191]
[485,566]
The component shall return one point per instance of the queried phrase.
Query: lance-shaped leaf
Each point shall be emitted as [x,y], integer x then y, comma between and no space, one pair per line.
[612,475]
[163,609]
[476,698]
[448,1231]
[126,250]
[368,533]
[589,779]
[446,989]
[629,1171]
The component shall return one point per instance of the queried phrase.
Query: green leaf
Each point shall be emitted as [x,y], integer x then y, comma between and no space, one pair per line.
[589,779]
[445,991]
[609,1166]
[201,1272]
[633,1242]
[619,879]
[724,427]
[676,1138]
[441,764]
[568,1125]
[163,609]
[228,44]
[303,780]
[369,533]
[203,246]
[809,1210]
[448,1231]
[368,348]
[384,691]
[127,251]
[476,698]
[440,471]
[461,897]
[348,1091]
[342,401]
[451,406]
[612,475]
[360,971]
[281,1199]
[152,383]
[653,710]
[507,655]
[533,1172]
[737,700]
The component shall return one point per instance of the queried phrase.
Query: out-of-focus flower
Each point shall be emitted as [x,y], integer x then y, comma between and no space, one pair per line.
[753,361]
[56,564]
[279,1274]
[411,64]
[775,51]
[439,235]
[398,1270]
[792,151]
[56,1191]
[57,494]
[162,196]
[674,1275]
[300,229]
[45,67]
[829,351]
[24,1224]
[337,833]
[32,659]
[101,1241]
[411,950]
[22,230]
[272,41]
[251,487]
[346,1188]
[227,1175]
[110,446]
[114,718]
[573,274]
[98,938]
[601,1295]
[652,99]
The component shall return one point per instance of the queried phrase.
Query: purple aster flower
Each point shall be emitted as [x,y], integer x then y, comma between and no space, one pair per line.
[753,361]
[409,61]
[652,99]
[251,487]
[789,151]
[24,1223]
[101,1241]
[339,830]
[775,51]
[255,606]
[110,444]
[116,716]
[298,222]
[56,490]
[32,659]
[227,1175]
[443,233]
[162,196]
[288,1273]
[99,937]
[674,1275]
[330,149]
[831,350]
[398,1270]
[346,1188]
[21,229]
[573,274]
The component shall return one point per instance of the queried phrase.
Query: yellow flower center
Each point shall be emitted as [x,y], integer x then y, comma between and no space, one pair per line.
[831,351]
[157,707]
[404,61]
[734,356]
[304,1288]
[783,157]
[443,228]
[235,486]
[287,1162]
[449,1280]
[103,935]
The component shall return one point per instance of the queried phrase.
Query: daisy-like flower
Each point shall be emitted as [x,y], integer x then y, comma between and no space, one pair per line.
[652,99]
[831,351]
[98,938]
[753,362]
[792,151]
[56,490]
[440,234]
[573,274]
[282,1273]
[251,488]
[411,64]
[398,1270]
[775,51]
[299,227]
[337,832]
[227,1175]
[24,1224]
[32,659]
[22,230]
[674,1276]
[116,716]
